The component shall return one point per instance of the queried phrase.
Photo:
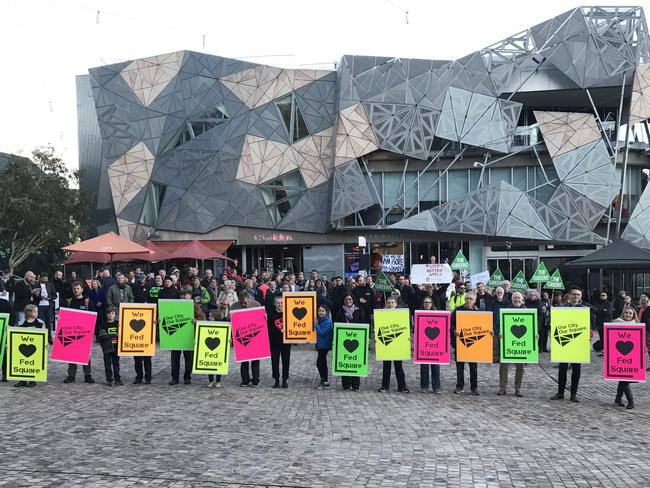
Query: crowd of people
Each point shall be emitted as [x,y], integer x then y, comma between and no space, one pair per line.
[34,300]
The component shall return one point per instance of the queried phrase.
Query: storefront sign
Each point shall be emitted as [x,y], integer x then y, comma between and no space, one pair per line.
[426,274]
[273,237]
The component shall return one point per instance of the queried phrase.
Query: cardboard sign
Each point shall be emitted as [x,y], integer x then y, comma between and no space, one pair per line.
[392,263]
[541,274]
[392,334]
[460,262]
[519,282]
[211,348]
[136,331]
[482,277]
[474,340]
[570,335]
[624,352]
[496,279]
[350,349]
[176,324]
[382,283]
[555,282]
[428,274]
[250,334]
[431,337]
[4,323]
[299,315]
[73,337]
[26,354]
[518,339]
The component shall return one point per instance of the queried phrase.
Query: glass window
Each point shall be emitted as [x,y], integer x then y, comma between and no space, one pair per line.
[520,178]
[411,197]
[429,187]
[284,106]
[199,124]
[474,179]
[392,189]
[457,181]
[152,203]
[282,193]
[497,175]
[292,117]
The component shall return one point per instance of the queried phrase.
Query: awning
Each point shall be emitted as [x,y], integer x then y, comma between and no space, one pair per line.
[620,254]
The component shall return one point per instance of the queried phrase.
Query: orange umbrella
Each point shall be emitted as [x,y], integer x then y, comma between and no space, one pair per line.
[108,244]
[195,250]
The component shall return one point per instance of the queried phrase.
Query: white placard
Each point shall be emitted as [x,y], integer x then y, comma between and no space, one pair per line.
[392,263]
[426,274]
[482,277]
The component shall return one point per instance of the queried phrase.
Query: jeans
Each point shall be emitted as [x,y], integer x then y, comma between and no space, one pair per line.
[435,376]
[350,382]
[45,314]
[460,375]
[283,350]
[72,369]
[543,337]
[140,363]
[112,366]
[321,364]
[503,376]
[246,371]
[575,378]
[624,389]
[188,357]
[399,374]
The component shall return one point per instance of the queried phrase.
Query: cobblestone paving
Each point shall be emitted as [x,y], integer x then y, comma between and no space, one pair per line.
[188,435]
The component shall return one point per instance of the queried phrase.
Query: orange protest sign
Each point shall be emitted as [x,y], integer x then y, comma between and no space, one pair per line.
[299,316]
[474,339]
[137,333]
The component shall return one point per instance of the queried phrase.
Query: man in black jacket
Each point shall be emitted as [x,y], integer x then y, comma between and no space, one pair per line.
[337,293]
[23,295]
[44,296]
[364,296]
[275,324]
[602,312]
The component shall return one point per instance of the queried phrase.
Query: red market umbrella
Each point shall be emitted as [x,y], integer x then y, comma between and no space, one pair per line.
[195,250]
[109,243]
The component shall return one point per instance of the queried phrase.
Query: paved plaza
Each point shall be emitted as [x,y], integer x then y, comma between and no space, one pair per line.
[189,435]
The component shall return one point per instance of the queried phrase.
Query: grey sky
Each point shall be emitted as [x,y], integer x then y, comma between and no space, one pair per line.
[45,43]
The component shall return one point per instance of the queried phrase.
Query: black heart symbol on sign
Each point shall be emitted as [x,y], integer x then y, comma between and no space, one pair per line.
[624,347]
[137,325]
[432,332]
[27,349]
[212,343]
[351,345]
[299,312]
[518,331]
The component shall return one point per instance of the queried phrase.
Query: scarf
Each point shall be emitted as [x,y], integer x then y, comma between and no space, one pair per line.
[349,311]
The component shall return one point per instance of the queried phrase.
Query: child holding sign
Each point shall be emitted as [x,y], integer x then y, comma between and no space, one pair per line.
[108,341]
[350,313]
[31,320]
[627,317]
[324,336]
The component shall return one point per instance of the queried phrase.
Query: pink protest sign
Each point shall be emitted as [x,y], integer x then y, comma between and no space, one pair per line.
[431,337]
[249,334]
[625,350]
[73,337]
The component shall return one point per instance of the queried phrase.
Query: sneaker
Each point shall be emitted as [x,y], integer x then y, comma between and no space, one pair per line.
[210,384]
[475,393]
[285,384]
[424,390]
[519,393]
[382,390]
[119,383]
[31,383]
[346,388]
[557,396]
[276,384]
[89,379]
[436,392]
[501,392]
[187,382]
[137,381]
[252,385]
[630,406]
[147,382]
[574,399]
[459,390]
[69,379]
[109,383]
[404,390]
[242,384]
[173,382]
[217,384]
[355,388]
[326,385]
[20,383]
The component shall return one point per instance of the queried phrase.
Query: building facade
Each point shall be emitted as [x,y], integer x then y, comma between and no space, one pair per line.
[533,148]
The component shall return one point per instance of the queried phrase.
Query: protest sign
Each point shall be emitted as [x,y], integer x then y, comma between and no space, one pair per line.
[519,282]
[460,262]
[136,331]
[570,334]
[4,323]
[383,283]
[482,277]
[474,340]
[26,354]
[392,334]
[426,274]
[250,335]
[518,335]
[73,337]
[350,349]
[392,263]
[176,324]
[299,316]
[555,282]
[496,279]
[211,347]
[541,274]
[624,352]
[431,337]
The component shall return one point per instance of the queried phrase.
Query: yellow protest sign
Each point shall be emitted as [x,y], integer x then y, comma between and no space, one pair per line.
[211,347]
[26,354]
[570,338]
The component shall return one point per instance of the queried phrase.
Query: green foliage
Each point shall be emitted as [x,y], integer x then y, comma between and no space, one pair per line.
[40,205]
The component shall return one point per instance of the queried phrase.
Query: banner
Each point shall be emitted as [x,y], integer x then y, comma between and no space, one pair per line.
[460,262]
[4,323]
[496,279]
[250,334]
[392,263]
[392,334]
[519,282]
[625,352]
[136,331]
[383,283]
[427,274]
[350,349]
[518,339]
[299,316]
[474,340]
[541,274]
[73,337]
[570,334]
[431,337]
[482,277]
[176,324]
[26,354]
[211,347]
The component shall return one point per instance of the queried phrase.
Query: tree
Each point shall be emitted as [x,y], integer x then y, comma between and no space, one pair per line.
[40,205]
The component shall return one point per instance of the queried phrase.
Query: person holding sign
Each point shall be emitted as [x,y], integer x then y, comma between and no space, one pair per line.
[324,336]
[108,341]
[517,302]
[628,317]
[78,302]
[468,305]
[427,305]
[31,320]
[351,314]
[247,368]
[278,347]
[391,303]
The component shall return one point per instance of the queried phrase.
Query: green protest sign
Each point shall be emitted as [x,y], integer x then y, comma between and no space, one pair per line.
[519,282]
[555,282]
[460,262]
[176,324]
[518,336]
[350,349]
[4,323]
[541,274]
[496,279]
[383,283]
